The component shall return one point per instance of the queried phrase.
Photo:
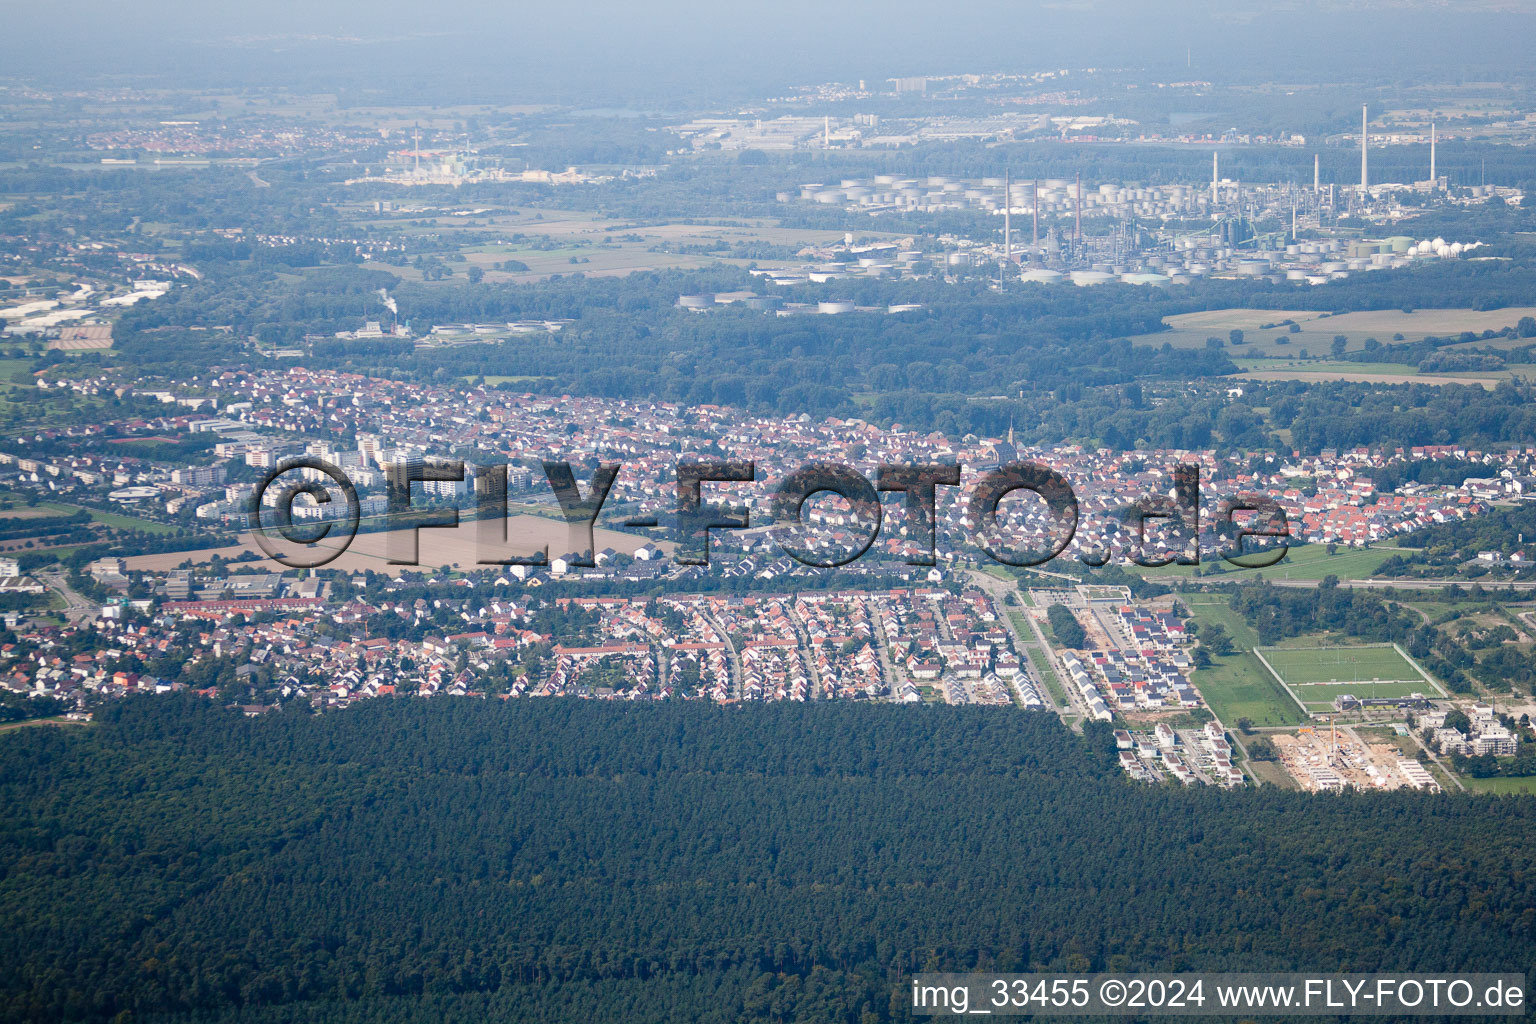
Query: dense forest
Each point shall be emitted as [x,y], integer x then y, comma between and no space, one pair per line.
[565,860]
[1504,530]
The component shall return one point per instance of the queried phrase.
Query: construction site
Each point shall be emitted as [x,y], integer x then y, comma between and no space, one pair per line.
[1335,757]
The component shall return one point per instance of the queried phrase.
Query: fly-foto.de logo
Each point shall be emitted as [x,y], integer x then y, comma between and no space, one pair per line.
[328,528]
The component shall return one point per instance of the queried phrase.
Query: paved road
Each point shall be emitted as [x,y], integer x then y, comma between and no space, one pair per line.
[998,589]
[733,663]
[803,650]
[76,607]
[1407,584]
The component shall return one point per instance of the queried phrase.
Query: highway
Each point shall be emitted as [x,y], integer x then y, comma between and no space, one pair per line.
[1409,584]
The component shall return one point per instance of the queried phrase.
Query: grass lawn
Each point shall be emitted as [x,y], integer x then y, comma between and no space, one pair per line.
[1341,665]
[1052,683]
[122,522]
[1190,330]
[112,519]
[1236,686]
[1318,675]
[1526,784]
[1305,562]
[1216,610]
[16,371]
[29,722]
[1326,366]
[491,380]
[1270,773]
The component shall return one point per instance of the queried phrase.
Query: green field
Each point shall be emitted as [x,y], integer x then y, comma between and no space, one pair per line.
[1216,610]
[1190,330]
[1299,666]
[112,519]
[1318,675]
[1238,686]
[491,380]
[1324,366]
[1514,784]
[1303,562]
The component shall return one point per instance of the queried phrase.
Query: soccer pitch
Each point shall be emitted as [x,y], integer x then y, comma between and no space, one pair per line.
[1314,676]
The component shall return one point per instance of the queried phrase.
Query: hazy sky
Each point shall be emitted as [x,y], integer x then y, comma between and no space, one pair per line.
[592,49]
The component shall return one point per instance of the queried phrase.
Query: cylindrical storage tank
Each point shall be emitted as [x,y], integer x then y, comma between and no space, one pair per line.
[1086,278]
[703,300]
[838,306]
[1040,276]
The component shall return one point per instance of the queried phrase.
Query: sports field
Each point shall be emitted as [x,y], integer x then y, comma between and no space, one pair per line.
[1315,676]
[1339,664]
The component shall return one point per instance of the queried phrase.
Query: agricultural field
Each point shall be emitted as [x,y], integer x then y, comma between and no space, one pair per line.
[1190,330]
[55,508]
[548,243]
[1400,374]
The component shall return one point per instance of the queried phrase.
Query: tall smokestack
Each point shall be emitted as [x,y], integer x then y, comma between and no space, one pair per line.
[1316,172]
[1364,149]
[1034,203]
[1007,216]
[1432,178]
[1077,230]
[1215,157]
